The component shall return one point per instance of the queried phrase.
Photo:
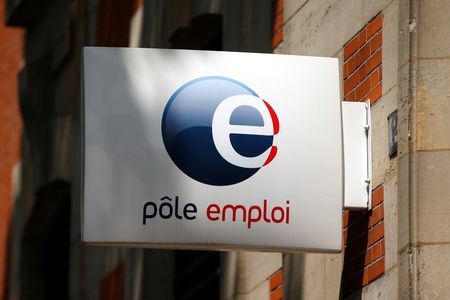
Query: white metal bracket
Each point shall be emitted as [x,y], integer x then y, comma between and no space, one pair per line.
[356,126]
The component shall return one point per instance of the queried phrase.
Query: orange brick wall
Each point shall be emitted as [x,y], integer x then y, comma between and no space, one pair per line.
[10,129]
[278,20]
[362,63]
[363,245]
[276,285]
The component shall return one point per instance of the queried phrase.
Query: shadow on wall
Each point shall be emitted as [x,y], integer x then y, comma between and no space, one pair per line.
[355,252]
[203,33]
[45,244]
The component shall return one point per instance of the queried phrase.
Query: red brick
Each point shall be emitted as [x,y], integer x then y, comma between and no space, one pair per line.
[345,215]
[376,250]
[350,96]
[374,25]
[375,234]
[278,22]
[375,42]
[345,71]
[359,58]
[351,47]
[278,7]
[351,65]
[377,196]
[356,78]
[355,43]
[277,38]
[362,37]
[366,277]
[362,71]
[375,94]
[277,294]
[374,61]
[276,279]
[351,82]
[375,77]
[362,90]
[376,215]
[368,258]
[376,269]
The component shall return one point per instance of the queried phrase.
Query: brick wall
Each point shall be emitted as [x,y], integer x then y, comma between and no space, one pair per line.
[362,63]
[278,20]
[112,284]
[363,245]
[276,285]
[10,130]
[364,231]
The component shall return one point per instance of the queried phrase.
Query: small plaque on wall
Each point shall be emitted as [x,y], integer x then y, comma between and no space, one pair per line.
[392,125]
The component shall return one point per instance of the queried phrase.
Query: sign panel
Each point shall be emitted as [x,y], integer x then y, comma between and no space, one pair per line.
[212,150]
[357,155]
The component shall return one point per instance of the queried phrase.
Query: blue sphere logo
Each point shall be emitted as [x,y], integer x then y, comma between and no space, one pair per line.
[218,131]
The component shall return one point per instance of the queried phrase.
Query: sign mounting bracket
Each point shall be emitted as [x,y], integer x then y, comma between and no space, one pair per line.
[356,124]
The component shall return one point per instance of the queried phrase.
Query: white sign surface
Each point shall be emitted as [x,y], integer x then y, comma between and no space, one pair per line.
[357,155]
[212,150]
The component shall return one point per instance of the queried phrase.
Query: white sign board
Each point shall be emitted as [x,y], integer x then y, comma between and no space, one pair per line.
[357,155]
[212,150]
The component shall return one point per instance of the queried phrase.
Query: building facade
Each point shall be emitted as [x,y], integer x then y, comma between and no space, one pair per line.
[394,54]
[10,133]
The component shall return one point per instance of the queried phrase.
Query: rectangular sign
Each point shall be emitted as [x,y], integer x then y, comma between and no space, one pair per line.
[212,150]
[357,155]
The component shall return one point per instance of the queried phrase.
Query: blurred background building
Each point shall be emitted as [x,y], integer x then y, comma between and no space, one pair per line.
[393,53]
